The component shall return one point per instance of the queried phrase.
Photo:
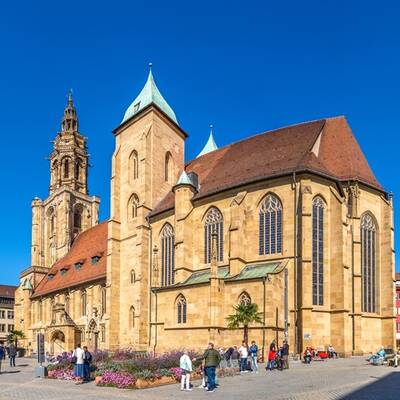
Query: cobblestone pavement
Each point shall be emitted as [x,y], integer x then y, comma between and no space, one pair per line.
[345,379]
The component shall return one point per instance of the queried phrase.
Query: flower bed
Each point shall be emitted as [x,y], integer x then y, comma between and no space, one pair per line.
[126,369]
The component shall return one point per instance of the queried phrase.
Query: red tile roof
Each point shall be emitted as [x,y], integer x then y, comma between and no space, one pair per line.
[281,152]
[88,244]
[8,291]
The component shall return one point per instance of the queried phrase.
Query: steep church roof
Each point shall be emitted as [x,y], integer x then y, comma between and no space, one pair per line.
[85,262]
[326,147]
[149,95]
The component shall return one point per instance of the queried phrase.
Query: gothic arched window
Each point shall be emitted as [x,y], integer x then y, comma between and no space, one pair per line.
[168,168]
[134,165]
[244,299]
[132,317]
[368,263]
[318,207]
[103,300]
[214,223]
[270,226]
[83,303]
[181,309]
[66,168]
[133,206]
[132,277]
[167,256]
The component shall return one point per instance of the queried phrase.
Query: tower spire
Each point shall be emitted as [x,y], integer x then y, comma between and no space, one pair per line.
[69,121]
[210,145]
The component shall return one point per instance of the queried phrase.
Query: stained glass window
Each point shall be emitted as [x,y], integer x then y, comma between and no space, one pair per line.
[214,223]
[270,226]
[368,263]
[167,256]
[318,208]
[181,309]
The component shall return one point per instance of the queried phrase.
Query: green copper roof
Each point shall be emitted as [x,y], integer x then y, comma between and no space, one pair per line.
[210,145]
[149,95]
[257,271]
[184,179]
[204,276]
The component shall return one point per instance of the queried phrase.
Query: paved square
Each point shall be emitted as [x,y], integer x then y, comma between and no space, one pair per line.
[347,379]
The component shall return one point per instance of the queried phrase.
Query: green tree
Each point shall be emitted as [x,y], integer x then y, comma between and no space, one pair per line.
[244,315]
[14,336]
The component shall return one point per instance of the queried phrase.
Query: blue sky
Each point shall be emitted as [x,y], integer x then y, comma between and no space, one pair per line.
[246,68]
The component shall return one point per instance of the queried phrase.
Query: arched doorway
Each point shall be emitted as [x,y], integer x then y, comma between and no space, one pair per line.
[57,342]
[93,342]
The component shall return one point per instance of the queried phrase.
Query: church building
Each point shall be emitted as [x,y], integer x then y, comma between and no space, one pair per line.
[291,219]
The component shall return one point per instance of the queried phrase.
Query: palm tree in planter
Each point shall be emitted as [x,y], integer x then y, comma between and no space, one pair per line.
[245,314]
[14,336]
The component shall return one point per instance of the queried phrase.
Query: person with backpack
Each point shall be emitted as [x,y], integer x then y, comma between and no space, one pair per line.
[254,354]
[211,359]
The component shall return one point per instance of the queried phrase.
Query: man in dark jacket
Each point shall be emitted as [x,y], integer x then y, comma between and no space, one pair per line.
[12,353]
[87,360]
[2,354]
[285,355]
[211,359]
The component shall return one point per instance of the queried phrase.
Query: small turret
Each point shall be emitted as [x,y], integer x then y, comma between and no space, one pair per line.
[210,145]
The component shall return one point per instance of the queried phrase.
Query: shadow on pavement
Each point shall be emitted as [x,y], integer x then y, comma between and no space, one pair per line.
[385,388]
[10,372]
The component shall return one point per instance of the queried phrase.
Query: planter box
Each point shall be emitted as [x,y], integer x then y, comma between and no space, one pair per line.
[165,380]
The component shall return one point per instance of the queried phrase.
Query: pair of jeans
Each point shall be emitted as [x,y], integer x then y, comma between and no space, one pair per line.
[243,362]
[210,372]
[12,361]
[254,365]
[271,365]
[86,372]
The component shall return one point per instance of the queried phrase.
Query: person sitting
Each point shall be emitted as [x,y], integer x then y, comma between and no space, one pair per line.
[377,358]
[331,352]
[307,355]
[271,360]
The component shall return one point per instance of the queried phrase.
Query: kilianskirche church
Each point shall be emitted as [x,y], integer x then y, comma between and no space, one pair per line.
[291,219]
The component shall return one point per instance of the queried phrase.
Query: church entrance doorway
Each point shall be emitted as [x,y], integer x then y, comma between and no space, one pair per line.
[57,342]
[93,342]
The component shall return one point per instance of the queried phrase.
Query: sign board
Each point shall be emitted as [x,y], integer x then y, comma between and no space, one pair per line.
[40,348]
[307,336]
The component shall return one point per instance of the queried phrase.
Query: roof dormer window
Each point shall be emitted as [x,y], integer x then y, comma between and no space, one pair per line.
[50,276]
[63,271]
[78,265]
[95,260]
[136,107]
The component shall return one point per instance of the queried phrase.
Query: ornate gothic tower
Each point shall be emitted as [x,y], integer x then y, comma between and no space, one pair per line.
[69,209]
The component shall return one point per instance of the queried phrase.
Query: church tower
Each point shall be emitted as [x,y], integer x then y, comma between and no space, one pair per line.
[147,161]
[69,209]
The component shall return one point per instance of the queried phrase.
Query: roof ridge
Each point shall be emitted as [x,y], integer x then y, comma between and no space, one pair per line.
[263,133]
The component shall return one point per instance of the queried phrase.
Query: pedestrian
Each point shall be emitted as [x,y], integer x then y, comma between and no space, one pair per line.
[2,354]
[285,355]
[307,355]
[244,353]
[78,360]
[228,357]
[12,353]
[235,357]
[87,361]
[254,354]
[211,359]
[185,365]
[272,346]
